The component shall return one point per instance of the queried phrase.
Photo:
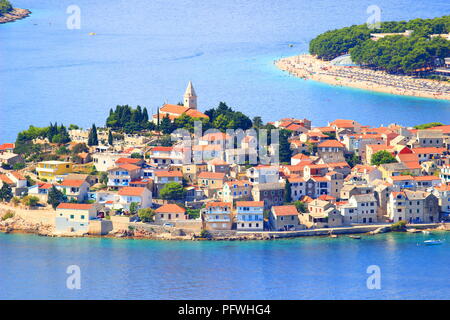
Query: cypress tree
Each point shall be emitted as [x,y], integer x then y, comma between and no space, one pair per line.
[110,138]
[93,138]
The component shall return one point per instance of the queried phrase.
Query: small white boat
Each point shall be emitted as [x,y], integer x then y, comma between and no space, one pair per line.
[432,242]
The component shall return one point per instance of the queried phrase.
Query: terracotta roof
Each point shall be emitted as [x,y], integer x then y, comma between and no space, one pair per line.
[172,108]
[126,166]
[327,197]
[127,160]
[215,136]
[170,208]
[301,156]
[163,149]
[196,114]
[426,178]
[295,179]
[249,203]
[331,144]
[5,179]
[238,182]
[218,204]
[72,183]
[44,186]
[288,210]
[6,146]
[75,206]
[131,191]
[211,175]
[444,187]
[401,178]
[217,162]
[341,123]
[428,150]
[166,173]
[18,175]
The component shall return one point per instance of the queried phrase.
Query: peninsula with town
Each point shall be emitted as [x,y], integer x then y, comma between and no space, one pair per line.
[409,58]
[183,173]
[10,14]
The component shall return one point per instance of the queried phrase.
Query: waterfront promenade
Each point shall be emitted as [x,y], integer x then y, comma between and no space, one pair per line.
[307,67]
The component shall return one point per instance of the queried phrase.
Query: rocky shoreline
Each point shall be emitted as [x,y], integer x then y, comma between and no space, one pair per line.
[19,225]
[15,14]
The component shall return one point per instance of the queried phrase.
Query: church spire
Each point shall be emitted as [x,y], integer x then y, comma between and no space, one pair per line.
[190,98]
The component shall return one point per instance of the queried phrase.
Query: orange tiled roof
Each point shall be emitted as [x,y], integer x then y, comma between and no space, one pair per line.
[331,144]
[72,183]
[287,210]
[75,206]
[166,173]
[211,175]
[249,203]
[162,149]
[428,150]
[127,160]
[5,179]
[131,191]
[218,204]
[170,208]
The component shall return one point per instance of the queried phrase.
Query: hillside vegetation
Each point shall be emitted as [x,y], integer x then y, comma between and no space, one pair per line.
[394,54]
[5,7]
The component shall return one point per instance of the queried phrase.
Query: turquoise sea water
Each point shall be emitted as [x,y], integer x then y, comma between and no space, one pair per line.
[308,268]
[146,51]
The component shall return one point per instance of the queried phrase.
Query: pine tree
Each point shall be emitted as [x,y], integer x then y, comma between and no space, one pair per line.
[166,125]
[55,197]
[6,193]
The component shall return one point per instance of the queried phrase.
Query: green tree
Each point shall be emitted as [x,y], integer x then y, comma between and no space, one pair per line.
[55,197]
[287,192]
[79,148]
[285,146]
[103,177]
[382,157]
[166,125]
[301,206]
[93,137]
[134,207]
[146,215]
[257,122]
[172,191]
[30,201]
[110,138]
[6,193]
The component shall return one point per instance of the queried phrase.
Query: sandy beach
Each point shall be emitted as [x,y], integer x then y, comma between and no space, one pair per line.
[15,14]
[308,67]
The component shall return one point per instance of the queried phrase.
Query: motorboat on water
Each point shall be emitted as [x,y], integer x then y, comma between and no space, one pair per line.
[432,242]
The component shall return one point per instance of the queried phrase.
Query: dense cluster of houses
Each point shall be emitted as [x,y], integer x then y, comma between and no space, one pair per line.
[235,194]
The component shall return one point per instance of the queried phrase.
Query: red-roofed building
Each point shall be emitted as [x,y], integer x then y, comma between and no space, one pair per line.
[139,195]
[170,212]
[430,153]
[75,217]
[74,189]
[331,151]
[121,175]
[284,218]
[217,216]
[250,215]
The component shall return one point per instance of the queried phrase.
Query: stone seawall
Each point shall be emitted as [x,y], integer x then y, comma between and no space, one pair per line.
[358,229]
